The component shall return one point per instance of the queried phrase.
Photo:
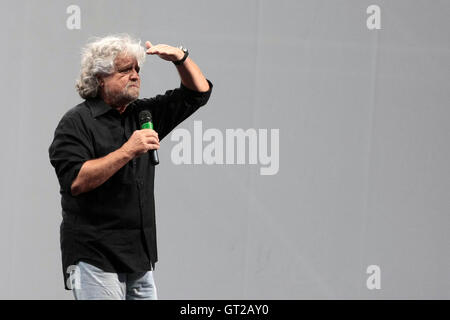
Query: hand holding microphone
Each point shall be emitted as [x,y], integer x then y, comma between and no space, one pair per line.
[144,140]
[145,121]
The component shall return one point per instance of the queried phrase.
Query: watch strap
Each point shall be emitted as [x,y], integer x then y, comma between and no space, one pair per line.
[186,53]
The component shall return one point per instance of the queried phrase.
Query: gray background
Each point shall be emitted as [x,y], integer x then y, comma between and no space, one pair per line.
[364,130]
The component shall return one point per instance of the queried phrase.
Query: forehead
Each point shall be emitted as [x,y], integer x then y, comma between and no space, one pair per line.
[123,60]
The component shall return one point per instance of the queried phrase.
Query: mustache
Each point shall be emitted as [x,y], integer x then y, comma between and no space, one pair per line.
[133,84]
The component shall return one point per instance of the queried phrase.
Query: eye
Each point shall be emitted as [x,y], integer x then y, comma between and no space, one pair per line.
[129,69]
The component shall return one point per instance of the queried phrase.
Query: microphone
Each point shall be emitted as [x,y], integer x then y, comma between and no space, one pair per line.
[145,121]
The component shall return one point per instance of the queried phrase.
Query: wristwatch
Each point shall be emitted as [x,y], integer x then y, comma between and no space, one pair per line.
[186,53]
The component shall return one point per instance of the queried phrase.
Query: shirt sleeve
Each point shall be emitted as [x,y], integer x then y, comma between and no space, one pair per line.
[172,108]
[70,148]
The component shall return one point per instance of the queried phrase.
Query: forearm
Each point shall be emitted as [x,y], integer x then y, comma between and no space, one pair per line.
[95,172]
[192,77]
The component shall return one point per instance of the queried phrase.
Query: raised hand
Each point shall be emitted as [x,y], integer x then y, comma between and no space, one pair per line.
[164,51]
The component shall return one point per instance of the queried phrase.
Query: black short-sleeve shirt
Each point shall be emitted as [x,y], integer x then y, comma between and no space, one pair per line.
[113,226]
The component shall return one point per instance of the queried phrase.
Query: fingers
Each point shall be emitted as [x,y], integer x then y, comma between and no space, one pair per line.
[154,50]
[152,140]
[147,147]
[152,146]
[151,49]
[159,49]
[152,143]
[150,133]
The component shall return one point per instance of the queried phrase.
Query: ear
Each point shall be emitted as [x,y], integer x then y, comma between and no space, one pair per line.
[100,81]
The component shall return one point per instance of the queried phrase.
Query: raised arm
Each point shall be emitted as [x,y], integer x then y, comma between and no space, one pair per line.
[190,74]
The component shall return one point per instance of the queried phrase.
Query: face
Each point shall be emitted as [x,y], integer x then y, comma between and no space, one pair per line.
[122,87]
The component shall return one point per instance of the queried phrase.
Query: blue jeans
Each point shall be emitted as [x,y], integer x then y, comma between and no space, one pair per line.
[93,283]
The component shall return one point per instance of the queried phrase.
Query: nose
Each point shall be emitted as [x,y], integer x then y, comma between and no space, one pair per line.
[134,75]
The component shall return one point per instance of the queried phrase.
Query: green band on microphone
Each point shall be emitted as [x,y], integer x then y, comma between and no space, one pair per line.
[147,125]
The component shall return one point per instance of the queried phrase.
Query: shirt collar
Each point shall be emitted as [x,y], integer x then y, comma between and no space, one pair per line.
[100,107]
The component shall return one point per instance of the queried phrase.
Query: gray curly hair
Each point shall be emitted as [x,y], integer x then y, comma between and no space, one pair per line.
[97,59]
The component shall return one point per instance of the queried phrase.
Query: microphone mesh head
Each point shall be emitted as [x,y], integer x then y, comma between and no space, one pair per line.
[144,116]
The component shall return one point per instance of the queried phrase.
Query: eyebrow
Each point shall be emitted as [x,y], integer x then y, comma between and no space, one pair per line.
[130,65]
[125,66]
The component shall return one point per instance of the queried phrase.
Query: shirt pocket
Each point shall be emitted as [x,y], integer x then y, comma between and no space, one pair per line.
[107,140]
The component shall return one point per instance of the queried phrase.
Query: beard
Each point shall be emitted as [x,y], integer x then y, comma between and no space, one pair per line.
[124,97]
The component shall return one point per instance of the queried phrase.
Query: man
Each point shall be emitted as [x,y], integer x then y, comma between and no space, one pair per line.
[101,158]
